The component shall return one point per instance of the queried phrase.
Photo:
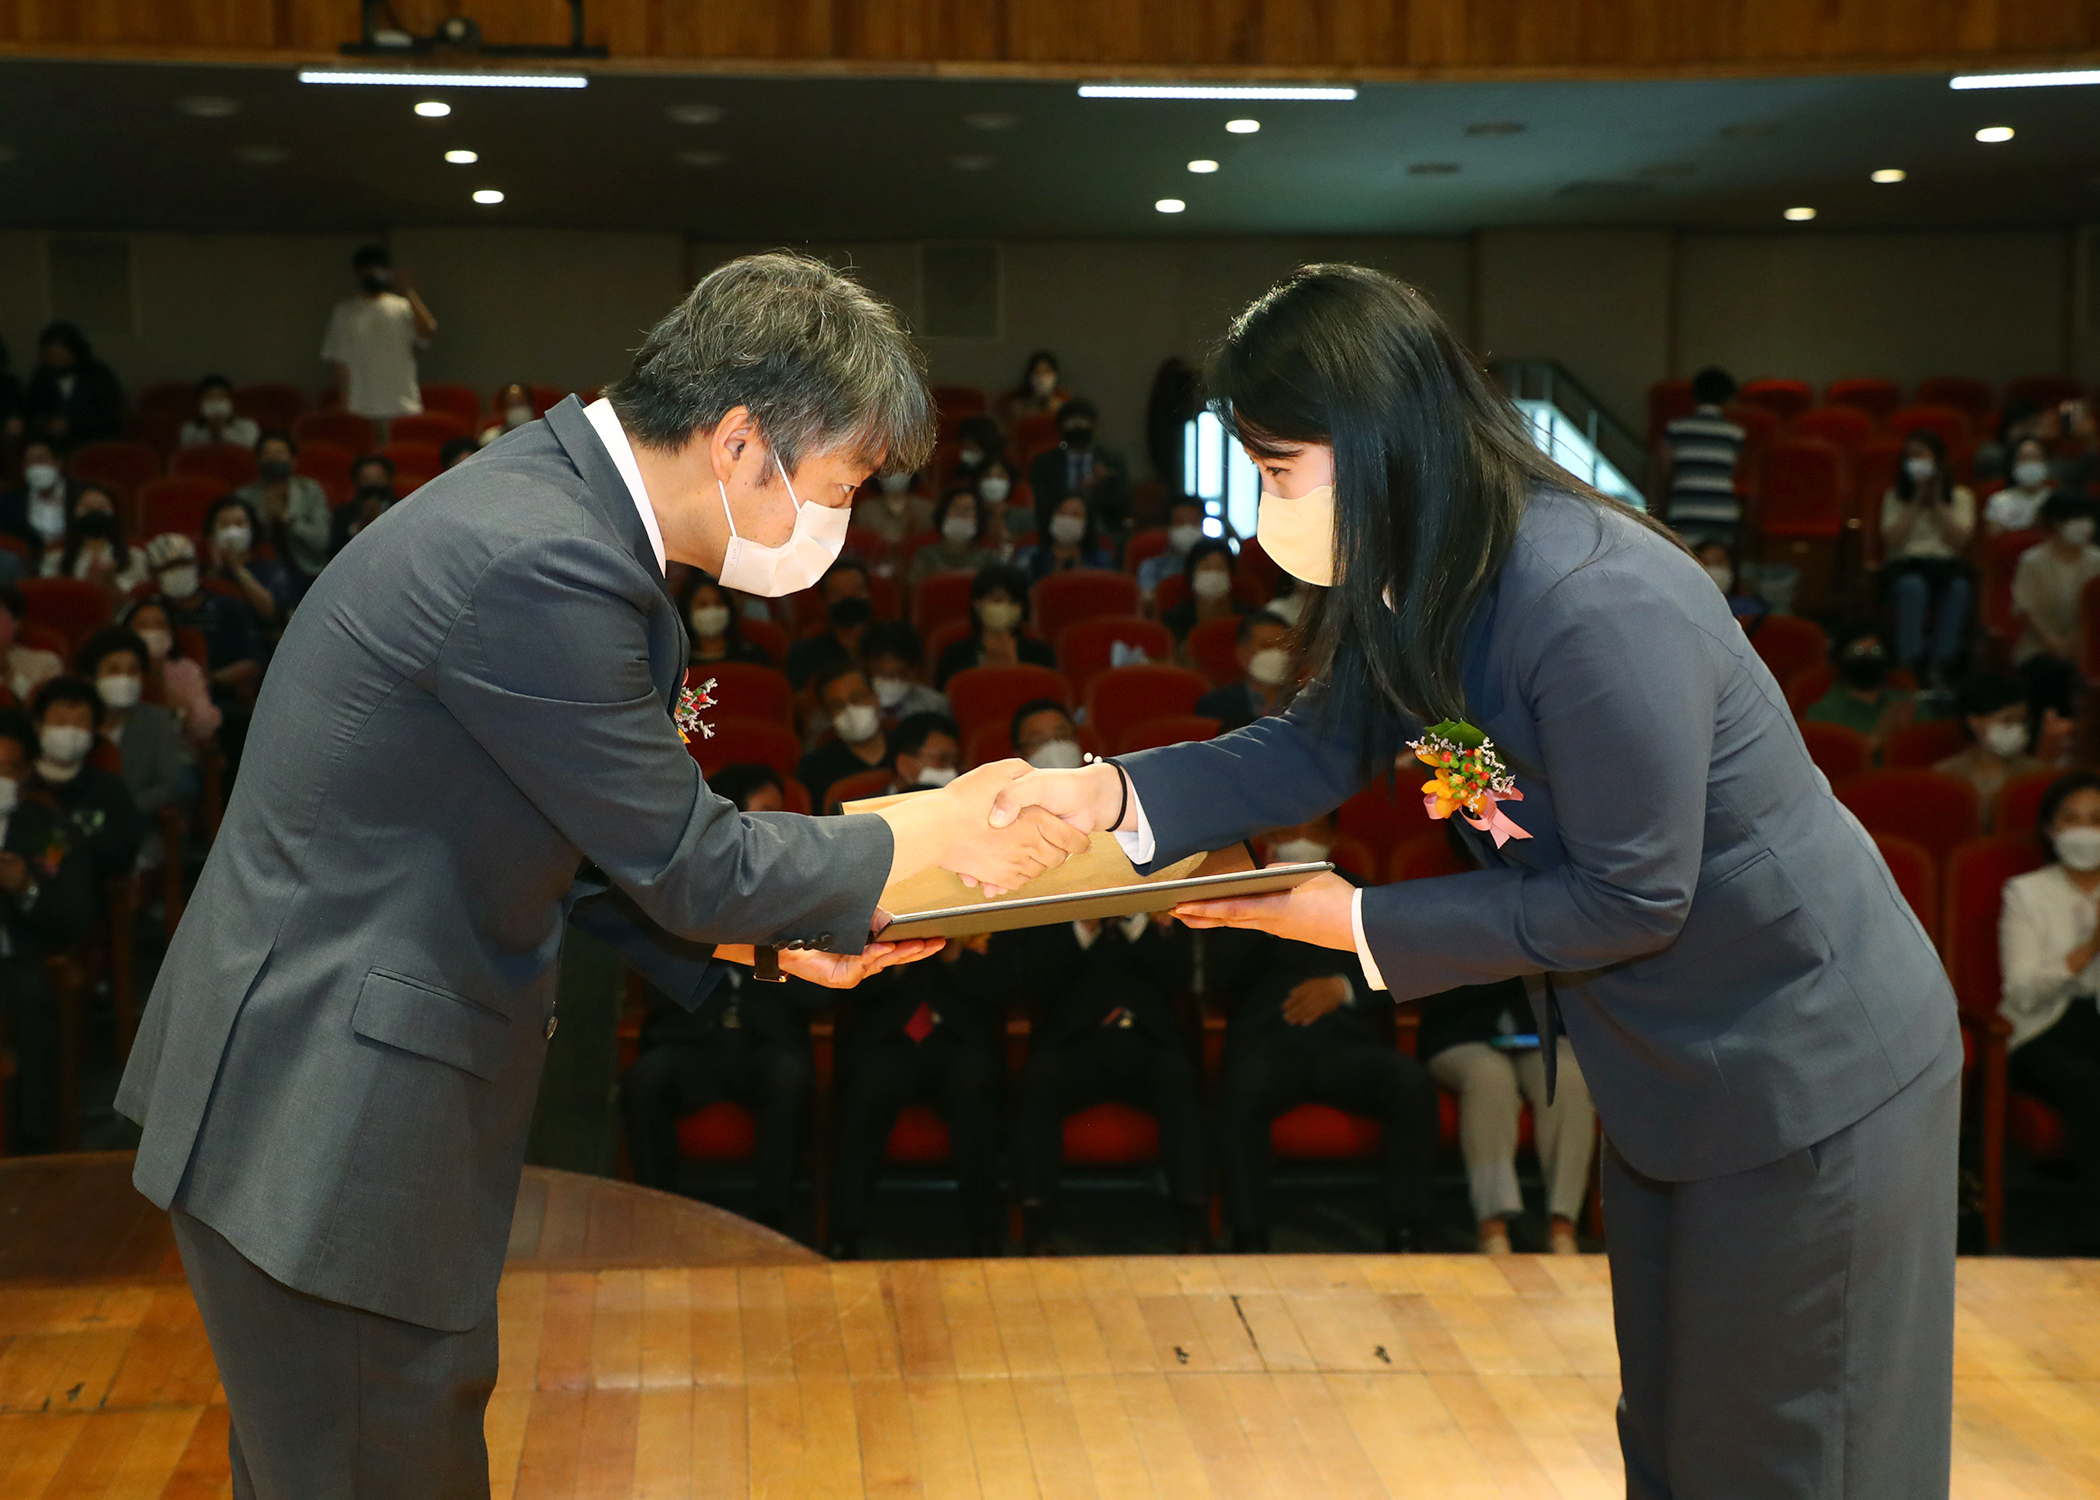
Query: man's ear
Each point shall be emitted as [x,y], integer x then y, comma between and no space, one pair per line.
[730,440]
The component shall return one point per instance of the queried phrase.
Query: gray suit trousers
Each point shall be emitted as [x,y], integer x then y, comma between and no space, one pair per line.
[1788,1331]
[334,1403]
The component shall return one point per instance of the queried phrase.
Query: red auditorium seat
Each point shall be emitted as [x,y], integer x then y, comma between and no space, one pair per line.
[168,398]
[958,400]
[457,401]
[1255,575]
[738,740]
[327,462]
[415,465]
[2020,802]
[229,464]
[1066,598]
[721,1131]
[1761,426]
[1169,729]
[1804,489]
[174,502]
[1213,647]
[1917,875]
[157,430]
[989,695]
[121,464]
[939,598]
[1925,744]
[73,607]
[1425,857]
[435,428]
[1877,398]
[1874,467]
[1838,752]
[1938,811]
[1847,426]
[1667,401]
[1383,816]
[1032,435]
[1111,1134]
[1320,1132]
[345,429]
[1171,591]
[1085,650]
[2089,632]
[2001,558]
[1148,542]
[944,635]
[1951,424]
[919,1138]
[1786,397]
[869,783]
[1963,393]
[768,637]
[2044,390]
[1123,698]
[749,690]
[272,404]
[1789,644]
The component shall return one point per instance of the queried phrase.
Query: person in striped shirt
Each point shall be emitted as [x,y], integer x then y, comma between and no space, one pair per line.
[1704,448]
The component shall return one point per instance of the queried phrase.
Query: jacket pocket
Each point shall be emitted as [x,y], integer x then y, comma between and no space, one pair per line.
[430,1022]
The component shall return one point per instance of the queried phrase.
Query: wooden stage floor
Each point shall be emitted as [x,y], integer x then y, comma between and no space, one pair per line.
[777,1374]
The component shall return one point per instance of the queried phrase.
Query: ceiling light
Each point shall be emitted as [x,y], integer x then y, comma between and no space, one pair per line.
[433,109]
[1170,205]
[2024,80]
[488,195]
[208,106]
[1208,91]
[1800,215]
[1242,127]
[702,158]
[695,114]
[449,80]
[972,161]
[1992,135]
[261,156]
[1888,174]
[991,119]
[1203,166]
[460,156]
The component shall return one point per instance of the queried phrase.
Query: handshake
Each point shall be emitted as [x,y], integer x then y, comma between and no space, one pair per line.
[1003,824]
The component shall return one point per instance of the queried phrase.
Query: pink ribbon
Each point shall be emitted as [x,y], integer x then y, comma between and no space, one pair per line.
[1496,823]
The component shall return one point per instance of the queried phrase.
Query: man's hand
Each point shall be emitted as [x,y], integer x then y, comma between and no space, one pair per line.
[1086,798]
[1311,999]
[1320,912]
[842,971]
[998,855]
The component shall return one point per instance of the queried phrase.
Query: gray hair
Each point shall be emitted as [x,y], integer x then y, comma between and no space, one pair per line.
[820,364]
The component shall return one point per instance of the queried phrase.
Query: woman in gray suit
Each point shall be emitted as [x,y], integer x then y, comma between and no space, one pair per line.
[1764,1027]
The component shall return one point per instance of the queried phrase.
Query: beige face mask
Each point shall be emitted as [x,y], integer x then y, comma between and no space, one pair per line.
[1299,534]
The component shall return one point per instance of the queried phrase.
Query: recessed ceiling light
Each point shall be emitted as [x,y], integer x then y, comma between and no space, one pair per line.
[991,119]
[695,114]
[1209,91]
[1170,205]
[2024,80]
[208,106]
[1496,127]
[460,156]
[1431,168]
[1887,174]
[702,158]
[1992,135]
[1800,215]
[447,80]
[1203,165]
[433,109]
[488,195]
[261,156]
[1243,127]
[973,161]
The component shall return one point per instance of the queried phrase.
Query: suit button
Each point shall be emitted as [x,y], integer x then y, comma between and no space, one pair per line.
[823,940]
[552,1022]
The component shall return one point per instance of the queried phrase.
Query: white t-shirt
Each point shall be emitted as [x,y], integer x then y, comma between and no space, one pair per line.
[375,339]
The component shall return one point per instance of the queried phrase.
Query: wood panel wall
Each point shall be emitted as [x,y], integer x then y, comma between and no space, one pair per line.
[1356,38]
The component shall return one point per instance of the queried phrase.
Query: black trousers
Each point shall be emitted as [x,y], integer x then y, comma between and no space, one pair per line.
[31,1008]
[673,1079]
[1110,1062]
[2052,682]
[1268,1075]
[960,1079]
[2061,1067]
[332,1402]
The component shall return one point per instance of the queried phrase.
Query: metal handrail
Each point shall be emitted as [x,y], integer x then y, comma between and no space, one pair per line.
[1544,380]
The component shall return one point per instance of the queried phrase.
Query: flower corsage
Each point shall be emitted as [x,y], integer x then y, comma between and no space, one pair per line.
[692,701]
[1467,777]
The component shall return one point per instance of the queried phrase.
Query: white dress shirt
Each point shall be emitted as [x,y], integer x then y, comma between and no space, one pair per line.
[2043,919]
[607,424]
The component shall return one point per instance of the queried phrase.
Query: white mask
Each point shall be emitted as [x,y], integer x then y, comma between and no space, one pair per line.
[1211,584]
[218,409]
[857,723]
[1067,530]
[1299,851]
[1722,575]
[1181,538]
[959,531]
[10,795]
[235,538]
[2078,531]
[969,458]
[2078,848]
[999,617]
[1043,382]
[66,744]
[808,553]
[1299,534]
[2030,474]
[935,776]
[710,620]
[158,643]
[1269,666]
[1057,755]
[890,691]
[995,487]
[2005,740]
[40,476]
[1920,469]
[47,517]
[516,416]
[896,484]
[179,583]
[118,692]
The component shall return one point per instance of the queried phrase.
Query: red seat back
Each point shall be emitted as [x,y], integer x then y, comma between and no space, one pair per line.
[2001,559]
[1032,434]
[1787,398]
[1917,876]
[1667,401]
[460,402]
[2020,801]
[1837,751]
[1124,697]
[1951,424]
[768,637]
[120,464]
[1788,645]
[1938,811]
[327,462]
[748,690]
[1761,426]
[175,502]
[989,695]
[1974,882]
[1805,483]
[435,428]
[939,598]
[872,782]
[1255,575]
[345,429]
[168,398]
[1086,649]
[73,607]
[738,740]
[1213,647]
[958,400]
[227,463]
[415,465]
[1874,468]
[1169,729]
[2044,390]
[1961,392]
[1384,816]
[1846,426]
[1149,542]
[1066,598]
[1925,744]
[1426,856]
[272,404]
[1877,398]
[2089,631]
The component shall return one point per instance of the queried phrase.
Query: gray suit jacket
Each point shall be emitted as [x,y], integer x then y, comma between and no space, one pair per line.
[464,736]
[1737,970]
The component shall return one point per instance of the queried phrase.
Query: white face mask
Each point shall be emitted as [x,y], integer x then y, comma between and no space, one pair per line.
[1057,755]
[710,620]
[1043,382]
[235,538]
[890,691]
[896,484]
[1181,538]
[118,692]
[798,562]
[857,723]
[1269,666]
[40,476]
[1209,583]
[218,409]
[1722,575]
[1299,851]
[995,488]
[1067,530]
[999,617]
[2078,848]
[959,531]
[1299,534]
[2030,474]
[2006,740]
[158,643]
[2078,532]
[10,795]
[969,458]
[1920,469]
[516,416]
[935,776]
[181,583]
[66,744]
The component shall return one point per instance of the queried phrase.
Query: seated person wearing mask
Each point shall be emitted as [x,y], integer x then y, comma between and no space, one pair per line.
[513,409]
[47,904]
[68,714]
[891,651]
[1012,517]
[977,442]
[848,612]
[1306,1027]
[153,760]
[1718,558]
[28,667]
[2018,506]
[713,623]
[95,549]
[929,752]
[233,638]
[1994,711]
[456,451]
[264,582]
[998,613]
[2049,951]
[1069,541]
[1081,466]
[961,528]
[892,510]
[1209,574]
[372,471]
[1184,530]
[368,504]
[1102,995]
[1861,697]
[1045,736]
[215,421]
[293,508]
[747,1043]
[1263,651]
[34,511]
[855,717]
[172,679]
[2048,594]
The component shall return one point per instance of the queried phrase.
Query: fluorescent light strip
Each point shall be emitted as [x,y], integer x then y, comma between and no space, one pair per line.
[2024,80]
[451,80]
[1206,91]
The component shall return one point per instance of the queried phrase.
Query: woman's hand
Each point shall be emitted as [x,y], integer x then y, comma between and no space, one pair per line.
[1320,912]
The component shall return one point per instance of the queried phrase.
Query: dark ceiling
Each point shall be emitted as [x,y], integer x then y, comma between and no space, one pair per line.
[87,145]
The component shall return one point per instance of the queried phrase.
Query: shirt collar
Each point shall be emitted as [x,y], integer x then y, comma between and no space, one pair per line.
[607,424]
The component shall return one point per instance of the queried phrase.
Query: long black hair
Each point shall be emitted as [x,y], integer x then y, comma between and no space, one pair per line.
[1907,487]
[1432,470]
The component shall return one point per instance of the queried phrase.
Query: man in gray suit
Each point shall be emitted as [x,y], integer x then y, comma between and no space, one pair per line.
[466,740]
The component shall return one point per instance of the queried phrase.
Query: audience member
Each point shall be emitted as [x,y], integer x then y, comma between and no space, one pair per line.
[372,340]
[1040,392]
[68,715]
[28,667]
[1208,570]
[216,421]
[513,409]
[1705,448]
[1263,650]
[293,507]
[855,717]
[747,1042]
[1926,521]
[1072,542]
[2018,505]
[2049,951]
[977,442]
[1012,517]
[95,548]
[846,622]
[371,471]
[998,611]
[10,402]
[959,546]
[1079,465]
[2048,594]
[1044,735]
[34,512]
[232,633]
[73,397]
[172,679]
[714,637]
[1184,530]
[892,511]
[2017,422]
[456,451]
[1101,999]
[367,505]
[1718,558]
[1861,697]
[891,651]
[153,759]
[47,904]
[263,581]
[1994,711]
[929,753]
